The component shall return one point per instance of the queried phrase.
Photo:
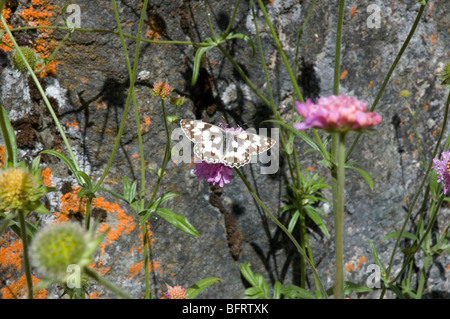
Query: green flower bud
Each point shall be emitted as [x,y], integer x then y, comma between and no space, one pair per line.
[59,246]
[18,189]
[29,55]
[177,100]
[405,94]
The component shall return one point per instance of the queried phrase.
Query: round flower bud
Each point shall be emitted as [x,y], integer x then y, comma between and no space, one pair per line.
[29,55]
[18,189]
[59,246]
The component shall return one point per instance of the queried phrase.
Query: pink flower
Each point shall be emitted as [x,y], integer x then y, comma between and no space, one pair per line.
[215,173]
[337,114]
[162,90]
[177,292]
[442,168]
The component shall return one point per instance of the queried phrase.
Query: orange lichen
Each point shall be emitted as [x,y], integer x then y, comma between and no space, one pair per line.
[146,124]
[125,223]
[39,14]
[370,84]
[2,156]
[10,256]
[343,75]
[135,269]
[47,177]
[18,290]
[153,35]
[361,261]
[94,295]
[433,38]
[6,14]
[74,123]
[349,267]
[101,105]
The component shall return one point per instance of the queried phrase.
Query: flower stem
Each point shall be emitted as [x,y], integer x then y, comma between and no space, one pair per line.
[26,261]
[106,283]
[339,221]
[284,229]
[6,221]
[388,75]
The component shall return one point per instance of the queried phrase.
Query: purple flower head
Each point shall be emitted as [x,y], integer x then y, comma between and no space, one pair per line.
[215,173]
[336,114]
[442,168]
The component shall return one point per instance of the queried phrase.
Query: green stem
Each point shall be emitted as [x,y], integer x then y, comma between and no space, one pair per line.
[147,276]
[389,74]
[106,283]
[132,76]
[208,19]
[284,229]
[87,220]
[201,44]
[418,193]
[335,136]
[232,19]
[337,55]
[41,91]
[280,49]
[5,223]
[26,261]
[166,155]
[339,221]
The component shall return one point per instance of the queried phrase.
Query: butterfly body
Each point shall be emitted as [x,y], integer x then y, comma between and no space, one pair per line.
[232,147]
[448,167]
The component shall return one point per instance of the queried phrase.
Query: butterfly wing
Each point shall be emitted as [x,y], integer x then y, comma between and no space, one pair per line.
[241,146]
[207,138]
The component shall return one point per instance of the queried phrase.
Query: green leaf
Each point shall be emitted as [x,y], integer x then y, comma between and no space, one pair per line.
[317,220]
[248,274]
[375,256]
[67,161]
[404,234]
[433,183]
[293,221]
[247,39]
[197,59]
[277,290]
[295,292]
[9,138]
[364,174]
[178,221]
[194,290]
[162,199]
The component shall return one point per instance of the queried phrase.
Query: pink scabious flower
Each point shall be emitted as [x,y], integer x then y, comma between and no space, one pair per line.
[162,90]
[215,173]
[177,292]
[336,114]
[442,168]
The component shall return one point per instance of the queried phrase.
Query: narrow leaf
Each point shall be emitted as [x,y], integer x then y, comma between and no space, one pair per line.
[194,290]
[178,221]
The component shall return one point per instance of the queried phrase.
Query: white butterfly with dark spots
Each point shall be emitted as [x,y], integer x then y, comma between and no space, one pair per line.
[232,148]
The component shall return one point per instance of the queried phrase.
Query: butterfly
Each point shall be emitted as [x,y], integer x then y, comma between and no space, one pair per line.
[232,147]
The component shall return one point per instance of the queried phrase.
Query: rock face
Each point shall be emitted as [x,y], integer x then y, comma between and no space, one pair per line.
[89,92]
